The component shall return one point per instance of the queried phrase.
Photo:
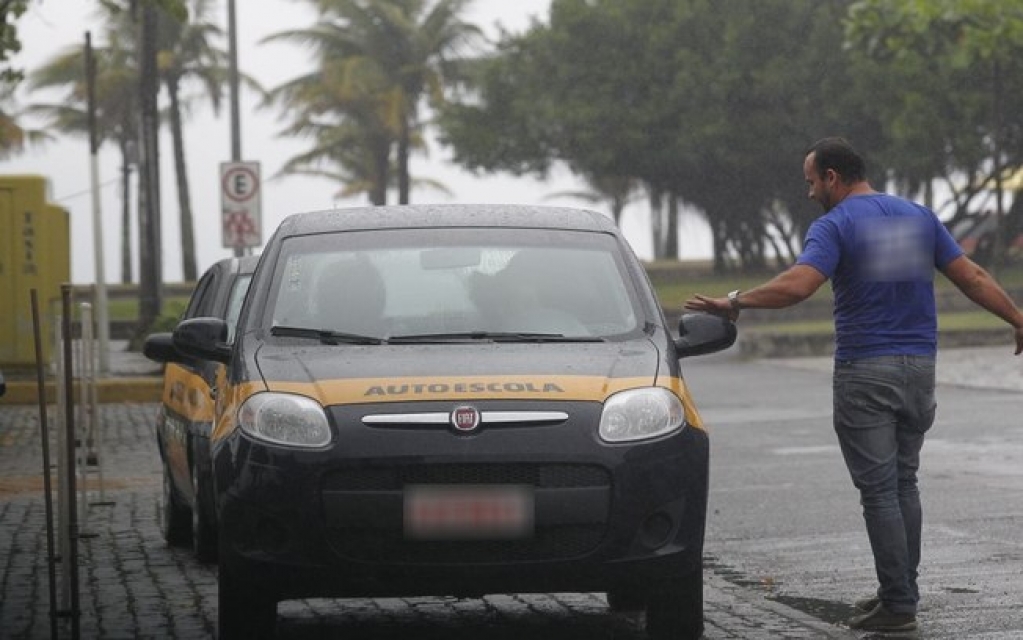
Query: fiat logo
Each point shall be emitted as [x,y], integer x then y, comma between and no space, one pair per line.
[465,418]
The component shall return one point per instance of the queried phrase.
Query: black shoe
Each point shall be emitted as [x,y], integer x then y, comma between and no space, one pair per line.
[866,605]
[880,619]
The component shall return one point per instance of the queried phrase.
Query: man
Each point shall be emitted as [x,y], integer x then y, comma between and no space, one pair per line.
[879,252]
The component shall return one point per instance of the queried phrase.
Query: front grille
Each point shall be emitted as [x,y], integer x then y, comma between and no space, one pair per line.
[553,543]
[351,538]
[546,476]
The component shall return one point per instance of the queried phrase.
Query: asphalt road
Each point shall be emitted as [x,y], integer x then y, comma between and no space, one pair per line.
[786,520]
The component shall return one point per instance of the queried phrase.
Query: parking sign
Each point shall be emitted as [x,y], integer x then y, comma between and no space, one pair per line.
[240,205]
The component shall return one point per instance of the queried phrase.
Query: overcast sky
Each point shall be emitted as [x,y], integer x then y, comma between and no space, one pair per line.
[51,26]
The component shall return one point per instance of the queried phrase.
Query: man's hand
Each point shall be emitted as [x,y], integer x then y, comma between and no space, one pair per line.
[978,285]
[717,306]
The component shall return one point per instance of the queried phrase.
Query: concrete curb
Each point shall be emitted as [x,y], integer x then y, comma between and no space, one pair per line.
[132,389]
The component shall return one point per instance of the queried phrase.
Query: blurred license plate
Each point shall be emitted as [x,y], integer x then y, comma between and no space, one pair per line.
[473,512]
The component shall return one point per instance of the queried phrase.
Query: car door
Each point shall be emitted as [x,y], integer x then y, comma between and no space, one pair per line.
[189,404]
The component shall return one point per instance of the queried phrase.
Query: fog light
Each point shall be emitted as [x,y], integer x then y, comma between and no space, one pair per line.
[656,530]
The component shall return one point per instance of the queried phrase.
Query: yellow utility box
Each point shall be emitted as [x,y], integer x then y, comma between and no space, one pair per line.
[35,253]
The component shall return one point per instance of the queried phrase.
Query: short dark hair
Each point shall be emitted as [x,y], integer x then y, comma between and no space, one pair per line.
[838,155]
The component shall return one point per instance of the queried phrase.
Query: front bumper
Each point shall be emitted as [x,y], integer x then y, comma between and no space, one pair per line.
[331,522]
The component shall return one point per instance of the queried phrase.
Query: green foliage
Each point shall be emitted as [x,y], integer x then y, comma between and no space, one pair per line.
[165,322]
[169,319]
[711,103]
[952,71]
[375,65]
[10,11]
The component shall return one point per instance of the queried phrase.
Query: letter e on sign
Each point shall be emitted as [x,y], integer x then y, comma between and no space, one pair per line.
[240,204]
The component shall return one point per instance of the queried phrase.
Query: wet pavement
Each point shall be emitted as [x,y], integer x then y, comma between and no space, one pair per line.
[133,586]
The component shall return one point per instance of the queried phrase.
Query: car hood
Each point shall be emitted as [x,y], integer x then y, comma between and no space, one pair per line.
[393,373]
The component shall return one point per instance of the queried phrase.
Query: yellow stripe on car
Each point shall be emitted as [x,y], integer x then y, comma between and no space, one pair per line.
[457,388]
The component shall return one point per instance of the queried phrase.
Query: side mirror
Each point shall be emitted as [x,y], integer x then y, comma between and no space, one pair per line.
[703,333]
[160,347]
[203,338]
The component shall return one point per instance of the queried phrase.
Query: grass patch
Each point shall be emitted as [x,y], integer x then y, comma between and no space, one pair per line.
[127,309]
[952,321]
[676,282]
[676,285]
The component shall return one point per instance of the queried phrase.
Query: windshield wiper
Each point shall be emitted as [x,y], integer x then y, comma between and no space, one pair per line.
[489,336]
[325,336]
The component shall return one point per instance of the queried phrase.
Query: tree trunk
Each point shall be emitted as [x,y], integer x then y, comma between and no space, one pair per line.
[188,263]
[149,176]
[671,235]
[381,160]
[404,180]
[656,220]
[126,257]
[717,237]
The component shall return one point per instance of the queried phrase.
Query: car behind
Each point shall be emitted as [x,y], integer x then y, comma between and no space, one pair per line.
[186,412]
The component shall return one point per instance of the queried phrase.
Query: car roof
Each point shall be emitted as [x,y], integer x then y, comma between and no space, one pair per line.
[242,265]
[445,215]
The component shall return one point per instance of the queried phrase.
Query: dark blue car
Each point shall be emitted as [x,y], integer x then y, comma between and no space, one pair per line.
[456,400]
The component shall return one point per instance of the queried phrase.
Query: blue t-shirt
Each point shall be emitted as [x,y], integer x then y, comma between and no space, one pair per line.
[880,252]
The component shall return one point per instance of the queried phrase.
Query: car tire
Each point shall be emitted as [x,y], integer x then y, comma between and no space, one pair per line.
[247,611]
[204,528]
[676,610]
[175,517]
[625,600]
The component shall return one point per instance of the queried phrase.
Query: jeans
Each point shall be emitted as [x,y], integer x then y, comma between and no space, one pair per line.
[883,406]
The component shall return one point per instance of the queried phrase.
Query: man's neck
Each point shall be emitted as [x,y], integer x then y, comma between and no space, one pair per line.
[860,189]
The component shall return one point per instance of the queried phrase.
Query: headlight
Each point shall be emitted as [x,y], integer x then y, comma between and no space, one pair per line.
[286,419]
[638,414]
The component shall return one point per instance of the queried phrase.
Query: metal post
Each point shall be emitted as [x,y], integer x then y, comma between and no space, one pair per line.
[102,319]
[45,433]
[71,561]
[86,424]
[236,126]
[63,543]
[232,40]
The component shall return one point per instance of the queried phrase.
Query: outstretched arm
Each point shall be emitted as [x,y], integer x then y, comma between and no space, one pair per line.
[790,287]
[978,285]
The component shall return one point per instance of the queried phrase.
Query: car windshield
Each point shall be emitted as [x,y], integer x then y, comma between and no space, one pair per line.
[234,304]
[454,285]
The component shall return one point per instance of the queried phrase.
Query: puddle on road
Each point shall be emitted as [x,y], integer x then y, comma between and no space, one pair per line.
[961,590]
[731,574]
[825,610]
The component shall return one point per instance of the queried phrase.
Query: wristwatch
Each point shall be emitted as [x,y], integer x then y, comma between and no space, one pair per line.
[733,299]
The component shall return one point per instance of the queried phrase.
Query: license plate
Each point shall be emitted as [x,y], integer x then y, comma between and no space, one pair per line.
[468,512]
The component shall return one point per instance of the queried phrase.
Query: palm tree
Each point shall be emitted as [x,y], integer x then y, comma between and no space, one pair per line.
[381,60]
[339,111]
[616,191]
[345,154]
[187,53]
[13,136]
[116,112]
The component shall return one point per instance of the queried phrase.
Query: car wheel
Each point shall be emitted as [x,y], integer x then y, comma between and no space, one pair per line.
[247,611]
[624,600]
[204,529]
[676,610]
[175,517]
